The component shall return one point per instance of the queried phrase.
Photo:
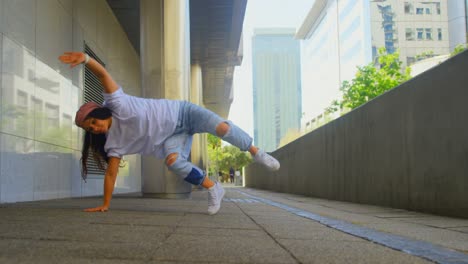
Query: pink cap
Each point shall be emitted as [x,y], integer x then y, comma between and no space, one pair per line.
[84,111]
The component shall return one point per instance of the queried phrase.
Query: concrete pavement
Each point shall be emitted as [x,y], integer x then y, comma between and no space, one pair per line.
[253,226]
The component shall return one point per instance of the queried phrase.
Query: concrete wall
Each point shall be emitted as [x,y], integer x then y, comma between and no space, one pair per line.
[408,149]
[39,145]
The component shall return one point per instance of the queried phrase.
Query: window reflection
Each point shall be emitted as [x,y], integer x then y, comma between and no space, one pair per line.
[36,99]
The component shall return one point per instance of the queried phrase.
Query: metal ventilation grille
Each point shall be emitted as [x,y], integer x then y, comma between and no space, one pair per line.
[93,92]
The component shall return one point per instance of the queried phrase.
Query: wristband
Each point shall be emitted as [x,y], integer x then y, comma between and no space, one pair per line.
[86,59]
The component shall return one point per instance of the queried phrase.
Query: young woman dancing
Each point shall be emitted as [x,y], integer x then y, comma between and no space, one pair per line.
[160,127]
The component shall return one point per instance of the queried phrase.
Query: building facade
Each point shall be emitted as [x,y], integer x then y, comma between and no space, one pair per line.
[458,22]
[276,85]
[335,38]
[40,147]
[418,29]
[339,36]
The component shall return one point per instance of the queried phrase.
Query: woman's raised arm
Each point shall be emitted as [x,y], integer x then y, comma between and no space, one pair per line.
[76,58]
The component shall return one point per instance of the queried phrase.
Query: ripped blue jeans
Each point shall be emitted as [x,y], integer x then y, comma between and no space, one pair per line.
[195,119]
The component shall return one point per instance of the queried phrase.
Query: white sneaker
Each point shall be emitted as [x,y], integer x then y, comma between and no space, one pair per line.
[266,159]
[215,196]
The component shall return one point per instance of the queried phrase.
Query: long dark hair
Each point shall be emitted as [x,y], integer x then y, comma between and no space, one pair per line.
[96,142]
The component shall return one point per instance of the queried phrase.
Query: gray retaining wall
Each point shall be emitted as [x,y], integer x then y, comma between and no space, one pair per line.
[407,148]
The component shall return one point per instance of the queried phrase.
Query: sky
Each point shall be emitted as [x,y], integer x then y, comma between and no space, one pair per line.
[260,14]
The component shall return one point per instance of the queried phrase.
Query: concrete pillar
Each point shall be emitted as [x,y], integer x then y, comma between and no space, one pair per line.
[164,53]
[152,48]
[198,154]
[177,49]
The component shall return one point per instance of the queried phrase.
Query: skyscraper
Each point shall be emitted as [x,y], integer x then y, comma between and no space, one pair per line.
[276,85]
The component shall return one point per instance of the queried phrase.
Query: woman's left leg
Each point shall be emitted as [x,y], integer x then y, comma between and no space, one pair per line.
[177,151]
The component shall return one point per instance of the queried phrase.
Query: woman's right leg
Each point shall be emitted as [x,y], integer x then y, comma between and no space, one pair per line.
[227,131]
[203,120]
[224,131]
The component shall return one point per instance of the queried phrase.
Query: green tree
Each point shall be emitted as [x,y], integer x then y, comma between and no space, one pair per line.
[233,157]
[222,158]
[458,49]
[370,81]
[214,154]
[424,55]
[213,141]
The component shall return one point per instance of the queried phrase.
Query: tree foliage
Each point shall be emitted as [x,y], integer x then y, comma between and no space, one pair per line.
[223,158]
[458,49]
[371,81]
[424,55]
[213,141]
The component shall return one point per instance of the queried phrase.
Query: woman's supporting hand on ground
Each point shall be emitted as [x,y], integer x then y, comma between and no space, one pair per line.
[97,209]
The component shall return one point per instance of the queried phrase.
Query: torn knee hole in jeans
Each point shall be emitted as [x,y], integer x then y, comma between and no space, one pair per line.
[171,158]
[222,129]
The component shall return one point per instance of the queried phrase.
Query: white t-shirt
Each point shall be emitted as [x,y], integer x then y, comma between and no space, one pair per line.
[139,125]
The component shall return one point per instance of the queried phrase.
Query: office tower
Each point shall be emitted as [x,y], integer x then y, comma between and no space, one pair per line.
[276,85]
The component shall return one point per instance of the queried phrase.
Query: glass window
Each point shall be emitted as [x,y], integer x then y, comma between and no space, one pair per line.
[37,104]
[21,110]
[408,8]
[388,27]
[429,33]
[419,10]
[387,17]
[409,34]
[52,112]
[37,107]
[66,120]
[428,10]
[439,34]
[420,33]
[22,99]
[438,8]
[388,36]
[390,46]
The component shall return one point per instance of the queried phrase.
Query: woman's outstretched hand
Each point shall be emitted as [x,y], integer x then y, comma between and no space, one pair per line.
[72,58]
[97,209]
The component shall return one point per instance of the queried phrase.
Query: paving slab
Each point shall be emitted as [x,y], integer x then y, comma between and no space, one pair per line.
[305,231]
[444,237]
[438,221]
[460,229]
[346,252]
[223,249]
[227,232]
